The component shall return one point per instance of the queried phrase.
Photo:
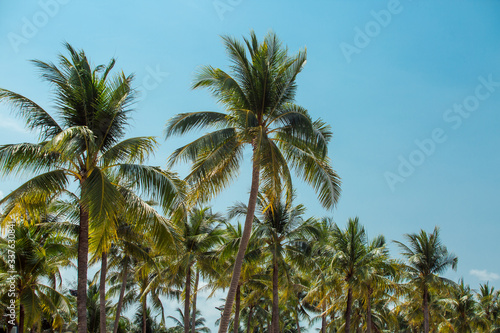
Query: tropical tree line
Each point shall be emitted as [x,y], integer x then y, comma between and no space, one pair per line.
[297,272]
[91,200]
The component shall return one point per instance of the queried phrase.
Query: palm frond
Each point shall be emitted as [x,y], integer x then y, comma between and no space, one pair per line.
[36,118]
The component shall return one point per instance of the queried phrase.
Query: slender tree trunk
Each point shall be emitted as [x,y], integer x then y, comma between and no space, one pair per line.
[348,311]
[187,297]
[236,323]
[120,299]
[275,322]
[323,318]
[102,293]
[369,311]
[195,294]
[249,320]
[144,314]
[252,201]
[21,319]
[297,321]
[83,251]
[426,310]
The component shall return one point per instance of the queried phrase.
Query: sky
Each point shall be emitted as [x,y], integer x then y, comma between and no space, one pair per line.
[411,90]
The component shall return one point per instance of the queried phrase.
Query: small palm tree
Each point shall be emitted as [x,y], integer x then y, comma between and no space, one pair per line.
[199,236]
[464,315]
[223,265]
[426,258]
[489,305]
[325,286]
[350,257]
[284,237]
[258,97]
[127,254]
[80,148]
[199,323]
[40,250]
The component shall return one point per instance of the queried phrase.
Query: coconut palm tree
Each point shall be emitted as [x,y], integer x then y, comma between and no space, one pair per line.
[349,248]
[128,253]
[426,258]
[199,323]
[284,236]
[80,147]
[464,315]
[39,250]
[489,305]
[198,235]
[352,258]
[325,283]
[223,266]
[378,277]
[258,98]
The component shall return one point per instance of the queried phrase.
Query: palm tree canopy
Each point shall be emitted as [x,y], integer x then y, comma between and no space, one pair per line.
[82,141]
[258,99]
[426,255]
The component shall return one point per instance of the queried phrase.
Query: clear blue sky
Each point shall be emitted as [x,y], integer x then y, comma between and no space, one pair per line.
[382,82]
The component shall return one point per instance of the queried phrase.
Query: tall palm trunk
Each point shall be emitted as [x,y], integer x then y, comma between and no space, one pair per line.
[369,311]
[323,318]
[195,294]
[249,320]
[252,201]
[102,293]
[236,323]
[187,297]
[120,299]
[83,251]
[297,321]
[275,322]
[348,311]
[426,309]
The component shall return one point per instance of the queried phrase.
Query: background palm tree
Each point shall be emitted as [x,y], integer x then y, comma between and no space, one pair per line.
[426,258]
[40,249]
[199,234]
[489,305]
[350,256]
[223,264]
[462,305]
[284,237]
[82,144]
[258,97]
[199,323]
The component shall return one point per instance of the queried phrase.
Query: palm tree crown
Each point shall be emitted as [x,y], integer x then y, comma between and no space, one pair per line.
[426,258]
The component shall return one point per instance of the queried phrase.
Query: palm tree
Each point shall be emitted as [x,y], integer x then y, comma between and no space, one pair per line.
[127,254]
[40,250]
[258,97]
[352,258]
[427,258]
[251,270]
[200,234]
[284,236]
[378,277]
[199,323]
[325,283]
[489,305]
[464,315]
[82,144]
